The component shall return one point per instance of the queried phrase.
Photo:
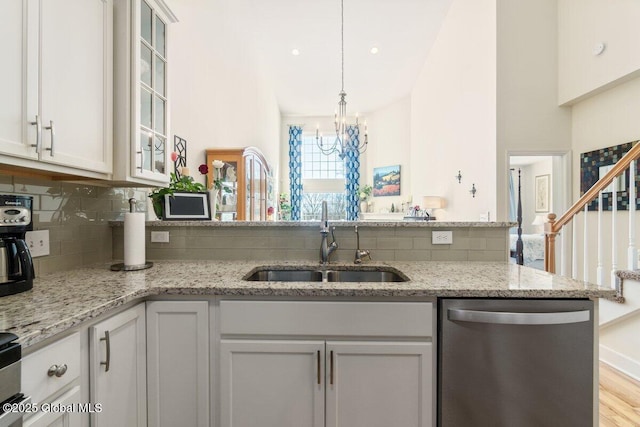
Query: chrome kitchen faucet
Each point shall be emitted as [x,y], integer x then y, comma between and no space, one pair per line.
[326,249]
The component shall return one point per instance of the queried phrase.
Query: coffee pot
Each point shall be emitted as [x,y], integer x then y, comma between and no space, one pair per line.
[16,264]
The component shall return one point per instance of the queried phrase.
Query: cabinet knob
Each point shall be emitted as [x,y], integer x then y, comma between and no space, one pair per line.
[57,370]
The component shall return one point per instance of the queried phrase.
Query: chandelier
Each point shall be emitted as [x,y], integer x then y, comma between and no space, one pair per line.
[342,144]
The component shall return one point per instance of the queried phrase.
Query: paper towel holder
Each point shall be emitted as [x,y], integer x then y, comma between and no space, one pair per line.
[121,266]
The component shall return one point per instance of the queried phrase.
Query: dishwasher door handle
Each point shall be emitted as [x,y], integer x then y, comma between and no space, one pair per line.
[509,318]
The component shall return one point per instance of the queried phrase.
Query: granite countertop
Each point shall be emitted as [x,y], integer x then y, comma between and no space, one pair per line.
[63,300]
[436,224]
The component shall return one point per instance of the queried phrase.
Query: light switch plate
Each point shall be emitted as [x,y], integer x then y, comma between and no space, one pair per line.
[38,242]
[441,237]
[159,237]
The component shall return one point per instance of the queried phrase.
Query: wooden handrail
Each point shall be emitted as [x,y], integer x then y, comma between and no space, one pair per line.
[602,183]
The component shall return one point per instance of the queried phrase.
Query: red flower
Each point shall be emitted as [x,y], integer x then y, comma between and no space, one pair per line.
[174,156]
[270,210]
[203,169]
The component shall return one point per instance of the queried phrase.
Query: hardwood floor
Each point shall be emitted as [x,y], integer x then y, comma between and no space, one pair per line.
[619,399]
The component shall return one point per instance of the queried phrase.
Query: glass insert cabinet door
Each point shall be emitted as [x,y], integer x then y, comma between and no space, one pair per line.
[245,176]
[150,87]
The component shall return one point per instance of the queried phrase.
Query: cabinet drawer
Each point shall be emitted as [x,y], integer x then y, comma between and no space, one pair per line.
[373,319]
[36,381]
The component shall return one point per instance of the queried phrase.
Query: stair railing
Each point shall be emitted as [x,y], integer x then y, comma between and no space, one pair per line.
[554,226]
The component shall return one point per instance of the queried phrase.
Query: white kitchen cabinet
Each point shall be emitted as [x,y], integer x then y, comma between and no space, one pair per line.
[51,377]
[272,383]
[379,384]
[178,363]
[56,418]
[56,81]
[142,142]
[370,364]
[117,369]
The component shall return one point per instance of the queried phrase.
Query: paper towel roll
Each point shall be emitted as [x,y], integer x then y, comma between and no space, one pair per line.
[134,247]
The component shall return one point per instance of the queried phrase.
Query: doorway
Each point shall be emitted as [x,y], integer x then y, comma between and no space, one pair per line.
[545,187]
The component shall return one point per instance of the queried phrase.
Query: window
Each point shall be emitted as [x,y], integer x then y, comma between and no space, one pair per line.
[322,179]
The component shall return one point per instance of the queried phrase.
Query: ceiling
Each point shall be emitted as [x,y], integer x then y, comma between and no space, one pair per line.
[308,84]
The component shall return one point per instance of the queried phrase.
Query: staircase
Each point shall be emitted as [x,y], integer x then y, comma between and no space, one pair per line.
[591,246]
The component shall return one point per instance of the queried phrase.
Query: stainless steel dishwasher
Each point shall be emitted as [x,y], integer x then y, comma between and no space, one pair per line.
[515,363]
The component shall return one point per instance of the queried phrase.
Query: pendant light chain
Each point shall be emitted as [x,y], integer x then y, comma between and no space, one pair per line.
[342,39]
[341,143]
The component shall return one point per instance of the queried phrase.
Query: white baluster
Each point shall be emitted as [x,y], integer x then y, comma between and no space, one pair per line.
[563,258]
[614,257]
[632,253]
[585,245]
[574,247]
[600,269]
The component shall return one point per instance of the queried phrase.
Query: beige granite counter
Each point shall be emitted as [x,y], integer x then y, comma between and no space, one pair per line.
[392,224]
[63,300]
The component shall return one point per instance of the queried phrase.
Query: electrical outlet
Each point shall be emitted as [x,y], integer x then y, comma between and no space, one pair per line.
[38,242]
[441,237]
[159,237]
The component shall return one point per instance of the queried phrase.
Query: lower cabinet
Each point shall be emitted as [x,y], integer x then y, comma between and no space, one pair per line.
[375,367]
[178,363]
[51,377]
[55,418]
[379,384]
[117,369]
[272,383]
[295,383]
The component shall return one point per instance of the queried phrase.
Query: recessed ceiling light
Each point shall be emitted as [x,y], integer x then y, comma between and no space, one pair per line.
[295,52]
[374,50]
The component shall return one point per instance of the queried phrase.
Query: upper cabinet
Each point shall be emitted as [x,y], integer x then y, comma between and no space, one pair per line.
[141,93]
[56,104]
[245,183]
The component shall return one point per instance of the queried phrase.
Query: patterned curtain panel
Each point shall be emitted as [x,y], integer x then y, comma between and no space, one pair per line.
[352,174]
[295,170]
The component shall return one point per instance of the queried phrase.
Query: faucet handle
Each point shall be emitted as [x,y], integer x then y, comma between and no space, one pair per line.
[333,236]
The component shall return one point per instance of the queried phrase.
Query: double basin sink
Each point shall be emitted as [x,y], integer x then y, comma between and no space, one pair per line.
[335,274]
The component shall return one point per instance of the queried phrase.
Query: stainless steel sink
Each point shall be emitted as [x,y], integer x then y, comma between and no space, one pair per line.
[285,276]
[363,274]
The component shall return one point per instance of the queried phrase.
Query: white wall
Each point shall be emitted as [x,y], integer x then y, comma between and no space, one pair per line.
[619,338]
[389,136]
[529,120]
[583,23]
[219,98]
[453,113]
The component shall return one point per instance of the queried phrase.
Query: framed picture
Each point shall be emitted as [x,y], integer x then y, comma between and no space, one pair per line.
[542,193]
[386,181]
[187,206]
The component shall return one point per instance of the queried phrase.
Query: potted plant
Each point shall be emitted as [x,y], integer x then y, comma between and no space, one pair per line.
[184,184]
[365,194]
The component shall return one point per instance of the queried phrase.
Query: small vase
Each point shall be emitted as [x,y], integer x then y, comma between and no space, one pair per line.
[213,202]
[363,206]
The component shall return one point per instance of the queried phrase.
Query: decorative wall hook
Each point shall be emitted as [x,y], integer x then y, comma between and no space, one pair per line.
[473,190]
[459,177]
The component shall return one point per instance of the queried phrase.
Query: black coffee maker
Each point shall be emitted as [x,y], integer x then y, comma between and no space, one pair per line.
[16,265]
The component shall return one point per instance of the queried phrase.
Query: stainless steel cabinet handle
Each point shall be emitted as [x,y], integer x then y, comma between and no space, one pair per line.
[108,342]
[57,370]
[318,368]
[331,369]
[38,126]
[141,160]
[508,318]
[52,128]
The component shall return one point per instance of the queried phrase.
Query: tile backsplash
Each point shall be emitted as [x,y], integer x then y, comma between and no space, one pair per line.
[77,216]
